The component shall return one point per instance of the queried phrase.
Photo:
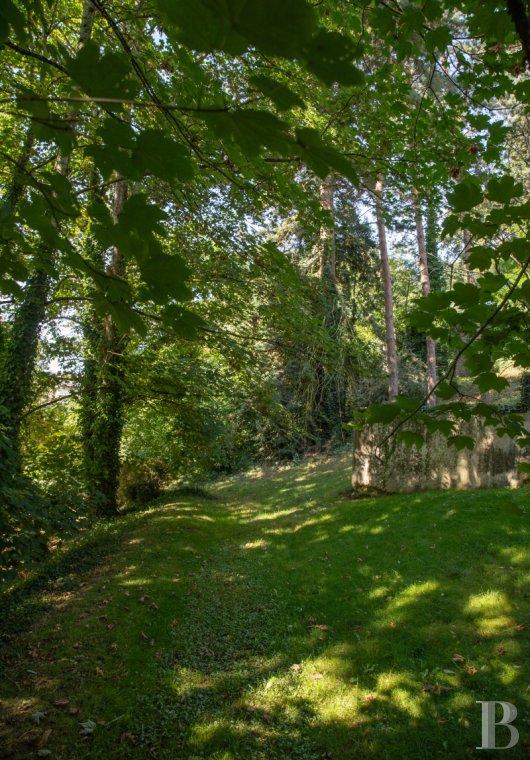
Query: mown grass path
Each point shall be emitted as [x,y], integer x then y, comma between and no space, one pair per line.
[278,619]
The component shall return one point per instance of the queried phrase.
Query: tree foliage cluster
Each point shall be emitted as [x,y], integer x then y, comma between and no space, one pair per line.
[190,260]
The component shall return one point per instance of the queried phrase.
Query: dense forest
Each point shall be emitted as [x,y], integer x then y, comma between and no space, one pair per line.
[231,231]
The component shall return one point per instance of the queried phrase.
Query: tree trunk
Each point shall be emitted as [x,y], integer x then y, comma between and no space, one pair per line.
[104,389]
[20,353]
[468,239]
[391,349]
[432,375]
[436,268]
[329,392]
[327,262]
[19,359]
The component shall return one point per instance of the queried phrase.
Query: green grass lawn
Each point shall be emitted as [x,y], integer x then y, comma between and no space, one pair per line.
[277,619]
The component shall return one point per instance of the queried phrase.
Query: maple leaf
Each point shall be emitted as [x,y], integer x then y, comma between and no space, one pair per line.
[471,670]
[296,666]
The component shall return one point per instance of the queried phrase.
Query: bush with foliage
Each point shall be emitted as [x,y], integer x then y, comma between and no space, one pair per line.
[141,481]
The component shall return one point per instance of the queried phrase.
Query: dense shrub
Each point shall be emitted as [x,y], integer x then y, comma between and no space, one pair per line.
[141,481]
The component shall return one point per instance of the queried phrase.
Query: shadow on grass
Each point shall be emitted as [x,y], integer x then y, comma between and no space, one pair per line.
[370,601]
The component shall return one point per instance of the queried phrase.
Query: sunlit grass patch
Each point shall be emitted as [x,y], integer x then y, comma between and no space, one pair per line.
[277,621]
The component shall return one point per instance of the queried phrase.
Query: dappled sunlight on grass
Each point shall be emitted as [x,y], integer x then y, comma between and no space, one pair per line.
[278,621]
[491,611]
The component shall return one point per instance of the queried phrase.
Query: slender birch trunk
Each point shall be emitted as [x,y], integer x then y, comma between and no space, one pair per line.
[432,374]
[391,348]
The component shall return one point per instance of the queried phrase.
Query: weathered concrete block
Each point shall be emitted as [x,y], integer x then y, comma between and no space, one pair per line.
[396,468]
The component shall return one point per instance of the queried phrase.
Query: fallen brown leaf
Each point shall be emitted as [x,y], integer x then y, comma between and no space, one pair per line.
[471,670]
[296,666]
[370,698]
[501,650]
[458,658]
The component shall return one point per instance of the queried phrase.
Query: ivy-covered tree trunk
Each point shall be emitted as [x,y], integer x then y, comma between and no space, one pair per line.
[432,374]
[391,348]
[329,391]
[20,353]
[436,269]
[92,347]
[19,359]
[7,206]
[103,392]
[327,258]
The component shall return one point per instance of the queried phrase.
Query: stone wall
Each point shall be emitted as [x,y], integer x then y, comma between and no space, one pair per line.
[399,469]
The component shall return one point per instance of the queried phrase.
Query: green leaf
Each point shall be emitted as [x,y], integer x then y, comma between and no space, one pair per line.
[480,257]
[382,413]
[103,75]
[465,294]
[491,282]
[281,95]
[164,277]
[445,391]
[382,20]
[250,130]
[182,321]
[461,442]
[504,189]
[329,55]
[11,18]
[438,39]
[323,158]
[160,155]
[489,381]
[407,404]
[410,439]
[274,27]
[466,195]
[522,91]
[445,427]
[125,318]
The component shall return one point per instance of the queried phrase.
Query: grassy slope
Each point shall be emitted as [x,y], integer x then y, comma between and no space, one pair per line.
[175,629]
